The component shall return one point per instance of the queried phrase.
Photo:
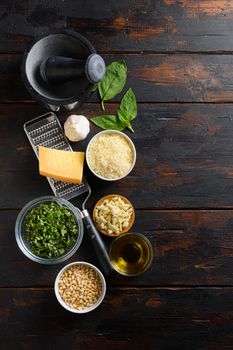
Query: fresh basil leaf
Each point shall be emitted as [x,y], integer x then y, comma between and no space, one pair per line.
[128,106]
[125,121]
[130,127]
[113,81]
[108,122]
[128,109]
[122,117]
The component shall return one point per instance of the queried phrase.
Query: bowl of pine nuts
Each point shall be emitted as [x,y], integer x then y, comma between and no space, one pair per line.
[80,287]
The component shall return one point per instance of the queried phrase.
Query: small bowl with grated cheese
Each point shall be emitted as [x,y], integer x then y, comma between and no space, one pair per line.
[113,215]
[111,155]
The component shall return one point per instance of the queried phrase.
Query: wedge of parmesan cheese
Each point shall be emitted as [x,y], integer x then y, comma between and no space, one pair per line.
[61,165]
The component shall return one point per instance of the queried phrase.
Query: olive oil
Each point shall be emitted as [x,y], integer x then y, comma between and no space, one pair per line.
[131,254]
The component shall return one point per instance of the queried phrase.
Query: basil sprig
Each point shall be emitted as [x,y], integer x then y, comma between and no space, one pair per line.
[113,81]
[110,86]
[125,114]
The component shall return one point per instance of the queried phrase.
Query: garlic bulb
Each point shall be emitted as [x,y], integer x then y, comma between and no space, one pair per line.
[76,127]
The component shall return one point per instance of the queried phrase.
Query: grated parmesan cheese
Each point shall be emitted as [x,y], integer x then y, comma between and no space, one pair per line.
[110,155]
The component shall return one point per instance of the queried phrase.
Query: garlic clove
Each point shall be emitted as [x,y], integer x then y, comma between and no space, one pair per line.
[76,127]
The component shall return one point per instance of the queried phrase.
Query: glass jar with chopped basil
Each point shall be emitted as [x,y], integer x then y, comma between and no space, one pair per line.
[49,230]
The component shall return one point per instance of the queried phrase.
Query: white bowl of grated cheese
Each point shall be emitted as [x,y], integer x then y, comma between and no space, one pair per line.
[111,155]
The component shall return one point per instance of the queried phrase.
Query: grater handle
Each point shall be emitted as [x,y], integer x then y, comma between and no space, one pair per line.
[98,243]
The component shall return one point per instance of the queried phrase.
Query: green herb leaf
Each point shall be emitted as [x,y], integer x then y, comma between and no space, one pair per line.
[113,81]
[128,109]
[124,121]
[130,127]
[108,122]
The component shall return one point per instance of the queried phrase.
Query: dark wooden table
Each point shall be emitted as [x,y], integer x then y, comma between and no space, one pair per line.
[180,62]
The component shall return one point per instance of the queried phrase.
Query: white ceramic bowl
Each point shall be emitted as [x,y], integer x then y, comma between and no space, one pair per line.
[126,138]
[87,309]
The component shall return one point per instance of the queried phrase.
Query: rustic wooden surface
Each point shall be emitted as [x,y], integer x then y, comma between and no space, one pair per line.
[180,62]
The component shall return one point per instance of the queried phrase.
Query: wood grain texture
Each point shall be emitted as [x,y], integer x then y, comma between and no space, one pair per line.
[157,25]
[154,78]
[184,157]
[152,319]
[190,248]
[179,57]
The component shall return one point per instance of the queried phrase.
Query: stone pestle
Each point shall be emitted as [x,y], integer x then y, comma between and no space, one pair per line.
[59,69]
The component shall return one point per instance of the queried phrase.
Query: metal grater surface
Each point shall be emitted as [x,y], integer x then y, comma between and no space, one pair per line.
[46,130]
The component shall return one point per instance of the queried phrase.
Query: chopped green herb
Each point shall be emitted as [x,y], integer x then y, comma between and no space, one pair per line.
[50,230]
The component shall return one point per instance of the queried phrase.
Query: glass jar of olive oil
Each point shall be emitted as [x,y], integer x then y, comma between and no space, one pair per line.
[131,254]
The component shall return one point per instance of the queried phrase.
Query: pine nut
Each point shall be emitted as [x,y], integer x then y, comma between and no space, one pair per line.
[80,286]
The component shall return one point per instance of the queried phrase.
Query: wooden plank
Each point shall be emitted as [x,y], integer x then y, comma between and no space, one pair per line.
[184,157]
[190,248]
[154,78]
[164,25]
[128,318]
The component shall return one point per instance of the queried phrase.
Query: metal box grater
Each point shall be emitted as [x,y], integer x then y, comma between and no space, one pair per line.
[46,130]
